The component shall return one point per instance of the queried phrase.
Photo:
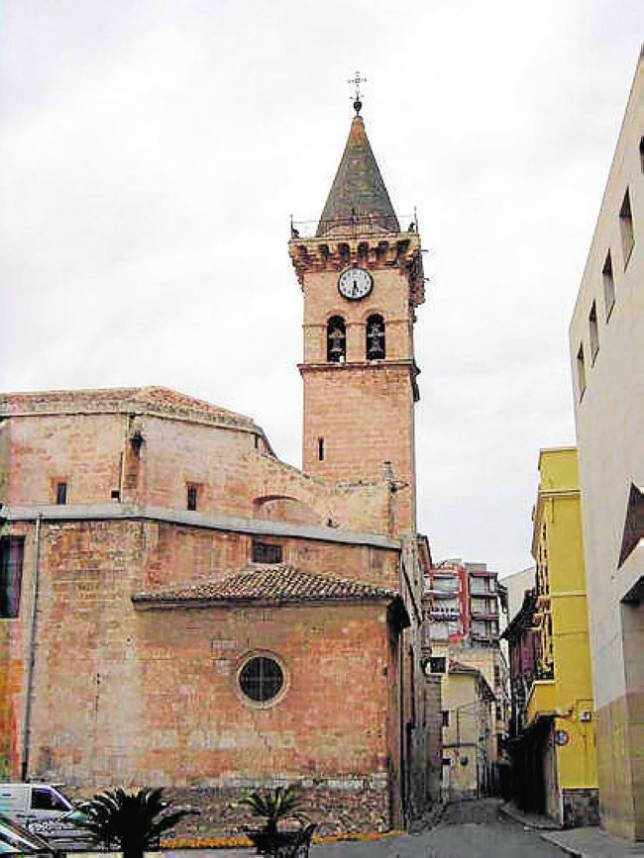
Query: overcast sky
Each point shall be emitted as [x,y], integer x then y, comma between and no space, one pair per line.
[151,153]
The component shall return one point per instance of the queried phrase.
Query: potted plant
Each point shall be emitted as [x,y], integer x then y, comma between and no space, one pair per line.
[132,820]
[273,806]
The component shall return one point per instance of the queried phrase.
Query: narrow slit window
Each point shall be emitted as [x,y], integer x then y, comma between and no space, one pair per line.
[626,228]
[11,556]
[642,153]
[581,371]
[375,332]
[336,340]
[609,285]
[192,495]
[594,332]
[320,449]
[61,493]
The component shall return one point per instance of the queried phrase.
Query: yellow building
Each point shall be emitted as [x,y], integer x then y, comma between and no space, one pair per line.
[554,745]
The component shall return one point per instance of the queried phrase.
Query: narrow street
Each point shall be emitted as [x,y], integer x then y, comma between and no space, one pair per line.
[472,829]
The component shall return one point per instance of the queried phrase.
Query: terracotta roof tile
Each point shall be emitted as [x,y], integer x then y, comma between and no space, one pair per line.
[276,583]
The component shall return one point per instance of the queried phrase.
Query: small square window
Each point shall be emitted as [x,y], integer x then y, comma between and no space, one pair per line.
[437,664]
[265,552]
[61,493]
[446,761]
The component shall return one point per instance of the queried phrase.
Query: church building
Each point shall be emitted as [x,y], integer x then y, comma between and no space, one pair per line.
[180,608]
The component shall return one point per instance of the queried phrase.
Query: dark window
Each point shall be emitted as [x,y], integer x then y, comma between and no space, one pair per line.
[594,332]
[626,227]
[642,153]
[261,679]
[581,371]
[437,664]
[499,713]
[11,556]
[446,761]
[609,285]
[61,493]
[336,340]
[321,449]
[265,552]
[375,332]
[115,495]
[192,498]
[497,674]
[445,715]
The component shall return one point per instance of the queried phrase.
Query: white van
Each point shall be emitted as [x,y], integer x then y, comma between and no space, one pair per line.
[33,801]
[42,809]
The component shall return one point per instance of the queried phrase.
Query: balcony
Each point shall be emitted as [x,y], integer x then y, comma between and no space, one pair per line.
[541,699]
[484,615]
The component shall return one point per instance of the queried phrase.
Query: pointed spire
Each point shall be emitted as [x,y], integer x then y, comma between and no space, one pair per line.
[358,195]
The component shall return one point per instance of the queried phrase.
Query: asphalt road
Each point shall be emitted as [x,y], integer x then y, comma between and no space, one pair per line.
[472,829]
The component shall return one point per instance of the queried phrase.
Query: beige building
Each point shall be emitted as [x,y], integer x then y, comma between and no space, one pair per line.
[469,748]
[607,355]
[516,585]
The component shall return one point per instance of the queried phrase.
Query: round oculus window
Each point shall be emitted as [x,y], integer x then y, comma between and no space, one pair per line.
[261,679]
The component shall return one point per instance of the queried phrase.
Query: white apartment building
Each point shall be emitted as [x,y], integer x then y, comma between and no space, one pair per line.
[607,356]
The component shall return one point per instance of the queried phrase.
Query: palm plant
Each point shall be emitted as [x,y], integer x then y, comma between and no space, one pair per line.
[132,820]
[273,806]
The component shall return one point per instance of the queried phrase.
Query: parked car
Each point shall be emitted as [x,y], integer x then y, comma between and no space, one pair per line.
[15,840]
[43,810]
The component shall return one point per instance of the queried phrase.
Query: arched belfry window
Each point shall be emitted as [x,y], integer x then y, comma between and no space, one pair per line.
[336,340]
[375,332]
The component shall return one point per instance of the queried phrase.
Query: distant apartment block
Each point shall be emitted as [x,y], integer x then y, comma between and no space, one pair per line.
[466,606]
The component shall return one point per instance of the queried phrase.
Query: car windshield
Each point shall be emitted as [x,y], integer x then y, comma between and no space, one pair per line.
[45,798]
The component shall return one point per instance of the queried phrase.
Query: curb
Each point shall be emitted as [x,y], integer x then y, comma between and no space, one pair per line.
[515,815]
[567,849]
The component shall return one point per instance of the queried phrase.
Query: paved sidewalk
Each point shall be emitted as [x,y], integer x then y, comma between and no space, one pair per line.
[592,842]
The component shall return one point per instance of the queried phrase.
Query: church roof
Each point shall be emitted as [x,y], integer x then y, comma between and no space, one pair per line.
[358,194]
[160,400]
[278,583]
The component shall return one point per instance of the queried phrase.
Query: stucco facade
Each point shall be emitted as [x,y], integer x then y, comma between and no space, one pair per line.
[607,358]
[553,725]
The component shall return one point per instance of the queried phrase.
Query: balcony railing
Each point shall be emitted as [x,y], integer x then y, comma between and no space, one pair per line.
[354,226]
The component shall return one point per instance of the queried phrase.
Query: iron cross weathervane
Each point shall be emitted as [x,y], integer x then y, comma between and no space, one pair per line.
[356,81]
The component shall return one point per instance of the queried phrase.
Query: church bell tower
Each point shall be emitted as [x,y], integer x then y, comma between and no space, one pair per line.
[362,279]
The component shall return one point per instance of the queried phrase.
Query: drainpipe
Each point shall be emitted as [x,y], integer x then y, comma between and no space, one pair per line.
[401,722]
[26,731]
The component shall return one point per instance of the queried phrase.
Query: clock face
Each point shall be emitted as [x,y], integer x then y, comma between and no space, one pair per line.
[355,283]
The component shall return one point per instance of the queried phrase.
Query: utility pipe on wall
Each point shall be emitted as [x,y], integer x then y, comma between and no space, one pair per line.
[26,730]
